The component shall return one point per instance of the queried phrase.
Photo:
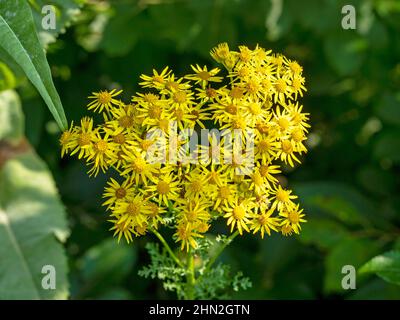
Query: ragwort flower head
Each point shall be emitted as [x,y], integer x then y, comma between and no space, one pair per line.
[164,179]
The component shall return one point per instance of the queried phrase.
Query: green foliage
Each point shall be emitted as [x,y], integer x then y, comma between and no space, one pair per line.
[32,218]
[102,269]
[163,267]
[348,181]
[19,39]
[67,12]
[215,283]
[386,266]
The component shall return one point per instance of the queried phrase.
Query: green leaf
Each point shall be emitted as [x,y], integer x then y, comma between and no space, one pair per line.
[66,12]
[323,233]
[345,51]
[105,265]
[337,200]
[386,266]
[7,78]
[32,218]
[389,109]
[353,252]
[19,39]
[387,146]
[12,119]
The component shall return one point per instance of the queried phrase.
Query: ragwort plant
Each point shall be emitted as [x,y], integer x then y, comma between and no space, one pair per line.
[167,181]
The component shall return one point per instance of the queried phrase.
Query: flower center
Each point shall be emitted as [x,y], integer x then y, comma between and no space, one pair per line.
[280,85]
[163,187]
[105,97]
[264,170]
[224,192]
[282,196]
[204,75]
[264,146]
[133,209]
[236,93]
[262,219]
[255,108]
[119,138]
[180,97]
[286,146]
[120,193]
[191,215]
[231,108]
[125,121]
[101,146]
[294,217]
[196,186]
[84,139]
[154,112]
[239,213]
[139,165]
[297,135]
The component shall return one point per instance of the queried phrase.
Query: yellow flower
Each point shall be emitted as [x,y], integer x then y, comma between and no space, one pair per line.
[220,53]
[68,139]
[138,168]
[157,80]
[202,76]
[238,215]
[224,195]
[133,210]
[286,152]
[122,229]
[116,191]
[282,198]
[102,152]
[166,181]
[84,138]
[165,189]
[263,222]
[195,185]
[293,216]
[193,212]
[187,236]
[103,100]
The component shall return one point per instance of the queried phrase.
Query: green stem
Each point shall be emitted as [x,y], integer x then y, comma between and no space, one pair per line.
[190,276]
[167,247]
[218,253]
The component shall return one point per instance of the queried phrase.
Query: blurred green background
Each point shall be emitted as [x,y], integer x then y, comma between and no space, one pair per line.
[349,182]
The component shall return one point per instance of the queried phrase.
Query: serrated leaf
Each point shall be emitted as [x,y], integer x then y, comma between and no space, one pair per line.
[19,39]
[386,266]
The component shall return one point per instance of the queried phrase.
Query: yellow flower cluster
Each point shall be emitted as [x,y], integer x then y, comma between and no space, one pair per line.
[257,97]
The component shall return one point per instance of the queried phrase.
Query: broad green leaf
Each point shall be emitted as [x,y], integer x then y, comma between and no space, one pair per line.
[11,117]
[32,225]
[389,109]
[337,200]
[387,146]
[19,39]
[32,218]
[7,78]
[386,266]
[323,233]
[105,265]
[66,12]
[353,252]
[345,51]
